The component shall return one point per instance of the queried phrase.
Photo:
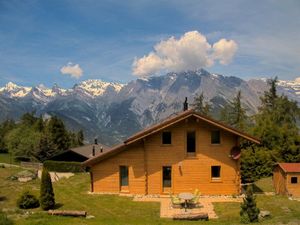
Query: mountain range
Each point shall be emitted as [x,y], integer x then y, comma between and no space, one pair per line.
[113,111]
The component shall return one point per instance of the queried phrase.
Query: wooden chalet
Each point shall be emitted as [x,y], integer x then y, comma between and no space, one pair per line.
[180,154]
[286,179]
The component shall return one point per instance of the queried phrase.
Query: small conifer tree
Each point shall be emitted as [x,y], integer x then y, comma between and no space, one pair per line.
[249,212]
[47,200]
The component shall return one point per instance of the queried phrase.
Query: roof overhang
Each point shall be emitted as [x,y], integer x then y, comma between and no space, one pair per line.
[165,124]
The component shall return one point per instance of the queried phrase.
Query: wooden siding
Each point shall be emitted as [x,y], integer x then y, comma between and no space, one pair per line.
[188,172]
[279,181]
[106,175]
[293,189]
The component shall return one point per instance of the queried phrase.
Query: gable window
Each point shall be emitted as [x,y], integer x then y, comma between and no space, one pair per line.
[123,176]
[216,172]
[294,180]
[191,141]
[215,137]
[166,138]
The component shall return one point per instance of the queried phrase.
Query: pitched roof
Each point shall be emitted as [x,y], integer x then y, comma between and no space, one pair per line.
[166,123]
[290,167]
[87,150]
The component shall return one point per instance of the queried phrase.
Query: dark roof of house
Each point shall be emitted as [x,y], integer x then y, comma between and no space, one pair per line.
[290,167]
[87,150]
[166,123]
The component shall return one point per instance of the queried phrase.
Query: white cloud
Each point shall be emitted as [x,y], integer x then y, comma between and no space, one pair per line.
[224,50]
[190,52]
[73,70]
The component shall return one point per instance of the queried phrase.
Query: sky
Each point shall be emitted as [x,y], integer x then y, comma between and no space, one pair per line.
[67,41]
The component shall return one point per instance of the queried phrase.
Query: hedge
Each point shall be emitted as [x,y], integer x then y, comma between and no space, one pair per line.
[61,166]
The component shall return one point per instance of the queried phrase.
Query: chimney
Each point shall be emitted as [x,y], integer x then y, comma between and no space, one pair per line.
[101,149]
[93,153]
[185,105]
[96,141]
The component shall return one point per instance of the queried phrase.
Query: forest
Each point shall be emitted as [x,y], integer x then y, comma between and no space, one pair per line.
[36,139]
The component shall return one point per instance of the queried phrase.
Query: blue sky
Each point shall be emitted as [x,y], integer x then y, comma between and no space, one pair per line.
[38,38]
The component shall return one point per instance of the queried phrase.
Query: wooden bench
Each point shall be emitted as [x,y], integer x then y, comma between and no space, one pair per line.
[67,213]
[191,216]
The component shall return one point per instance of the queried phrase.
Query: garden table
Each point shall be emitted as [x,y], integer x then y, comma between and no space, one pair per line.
[186,196]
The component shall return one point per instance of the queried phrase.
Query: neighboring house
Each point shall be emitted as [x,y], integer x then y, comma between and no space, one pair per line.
[180,154]
[286,179]
[82,153]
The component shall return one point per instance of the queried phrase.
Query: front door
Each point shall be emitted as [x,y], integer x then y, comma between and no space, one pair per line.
[167,179]
[124,179]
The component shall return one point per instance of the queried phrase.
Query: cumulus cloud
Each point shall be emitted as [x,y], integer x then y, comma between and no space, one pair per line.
[224,50]
[190,52]
[73,70]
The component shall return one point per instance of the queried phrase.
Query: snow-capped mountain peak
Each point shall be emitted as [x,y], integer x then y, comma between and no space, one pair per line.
[13,90]
[98,87]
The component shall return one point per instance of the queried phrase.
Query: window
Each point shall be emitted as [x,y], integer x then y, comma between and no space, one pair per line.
[167,174]
[215,137]
[215,172]
[123,175]
[166,138]
[191,141]
[294,180]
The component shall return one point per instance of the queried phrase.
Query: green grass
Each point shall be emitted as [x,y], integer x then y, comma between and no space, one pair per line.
[71,194]
[265,184]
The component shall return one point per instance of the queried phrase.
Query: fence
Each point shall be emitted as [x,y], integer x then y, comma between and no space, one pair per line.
[32,165]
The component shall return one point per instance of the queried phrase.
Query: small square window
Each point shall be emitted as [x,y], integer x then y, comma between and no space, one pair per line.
[294,180]
[215,137]
[166,138]
[216,172]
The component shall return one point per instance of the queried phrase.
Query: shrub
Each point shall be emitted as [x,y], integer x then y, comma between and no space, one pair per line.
[47,200]
[4,220]
[60,166]
[249,212]
[27,201]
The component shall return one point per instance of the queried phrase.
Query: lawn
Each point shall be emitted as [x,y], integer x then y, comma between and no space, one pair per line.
[71,194]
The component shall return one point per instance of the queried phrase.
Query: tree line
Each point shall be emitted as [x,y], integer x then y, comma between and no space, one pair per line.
[275,124]
[37,139]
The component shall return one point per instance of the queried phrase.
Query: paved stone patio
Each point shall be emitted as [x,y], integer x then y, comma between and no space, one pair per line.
[166,210]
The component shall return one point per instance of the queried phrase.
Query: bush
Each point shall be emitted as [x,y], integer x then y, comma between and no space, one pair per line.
[4,220]
[47,200]
[27,201]
[59,166]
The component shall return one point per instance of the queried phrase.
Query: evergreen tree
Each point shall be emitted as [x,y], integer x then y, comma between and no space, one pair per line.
[249,212]
[80,138]
[234,114]
[5,128]
[47,200]
[45,149]
[276,125]
[59,136]
[201,106]
[28,119]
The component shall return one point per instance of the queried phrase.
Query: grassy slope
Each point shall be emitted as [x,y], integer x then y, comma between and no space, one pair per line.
[72,195]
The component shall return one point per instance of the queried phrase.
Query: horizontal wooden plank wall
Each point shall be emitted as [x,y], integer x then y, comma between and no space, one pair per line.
[106,174]
[293,189]
[188,172]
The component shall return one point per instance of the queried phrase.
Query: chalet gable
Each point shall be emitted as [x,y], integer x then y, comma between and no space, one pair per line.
[164,125]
